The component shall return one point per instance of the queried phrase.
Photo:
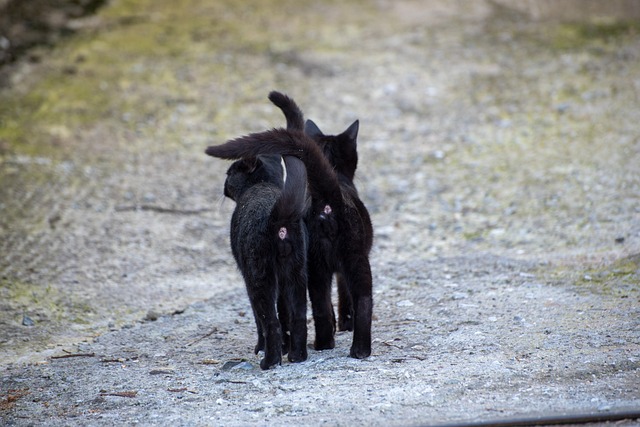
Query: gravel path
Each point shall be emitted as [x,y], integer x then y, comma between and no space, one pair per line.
[498,157]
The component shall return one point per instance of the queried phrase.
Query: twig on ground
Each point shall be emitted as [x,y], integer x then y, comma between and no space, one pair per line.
[129,394]
[160,209]
[66,356]
[178,390]
[388,344]
[213,331]
[113,360]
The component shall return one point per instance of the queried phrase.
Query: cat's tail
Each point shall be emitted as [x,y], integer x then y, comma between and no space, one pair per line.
[293,114]
[323,181]
[293,201]
[274,141]
[286,219]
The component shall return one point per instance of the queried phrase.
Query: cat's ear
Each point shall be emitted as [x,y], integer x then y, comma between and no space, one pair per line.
[251,163]
[352,131]
[311,129]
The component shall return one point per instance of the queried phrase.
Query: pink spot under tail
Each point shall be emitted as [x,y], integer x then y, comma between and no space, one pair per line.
[282,233]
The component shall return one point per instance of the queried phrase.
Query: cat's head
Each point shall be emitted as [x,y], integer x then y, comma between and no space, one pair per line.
[341,150]
[247,172]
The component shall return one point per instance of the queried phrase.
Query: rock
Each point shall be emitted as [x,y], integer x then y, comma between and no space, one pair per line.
[459,295]
[27,321]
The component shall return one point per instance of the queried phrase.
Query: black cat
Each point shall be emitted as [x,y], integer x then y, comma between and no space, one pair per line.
[340,230]
[269,243]
[341,151]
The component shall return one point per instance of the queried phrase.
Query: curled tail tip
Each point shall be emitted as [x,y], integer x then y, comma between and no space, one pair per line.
[277,97]
[293,114]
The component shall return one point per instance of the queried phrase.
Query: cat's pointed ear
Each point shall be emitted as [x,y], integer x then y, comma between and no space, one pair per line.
[352,131]
[311,129]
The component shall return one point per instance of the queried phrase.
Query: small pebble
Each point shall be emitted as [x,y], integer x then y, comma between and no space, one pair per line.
[162,371]
[404,303]
[27,321]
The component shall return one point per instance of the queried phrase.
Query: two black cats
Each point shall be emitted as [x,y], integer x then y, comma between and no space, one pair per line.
[339,228]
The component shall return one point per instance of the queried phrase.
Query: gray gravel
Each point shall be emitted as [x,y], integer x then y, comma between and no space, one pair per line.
[498,157]
[455,339]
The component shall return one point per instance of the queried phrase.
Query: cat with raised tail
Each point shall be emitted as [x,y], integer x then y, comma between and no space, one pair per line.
[270,245]
[339,226]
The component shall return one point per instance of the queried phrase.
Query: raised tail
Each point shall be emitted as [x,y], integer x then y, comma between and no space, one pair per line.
[292,113]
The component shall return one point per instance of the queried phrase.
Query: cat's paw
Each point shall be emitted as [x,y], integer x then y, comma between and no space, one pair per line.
[258,348]
[360,351]
[286,343]
[326,344]
[298,355]
[345,323]
[270,362]
[259,345]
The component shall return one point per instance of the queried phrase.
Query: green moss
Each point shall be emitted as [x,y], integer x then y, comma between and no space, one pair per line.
[626,270]
[44,303]
[474,236]
[591,34]
[620,278]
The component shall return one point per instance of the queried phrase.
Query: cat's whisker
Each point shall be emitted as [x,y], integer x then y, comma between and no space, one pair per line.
[221,200]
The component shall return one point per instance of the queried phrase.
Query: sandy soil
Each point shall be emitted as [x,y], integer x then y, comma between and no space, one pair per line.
[498,157]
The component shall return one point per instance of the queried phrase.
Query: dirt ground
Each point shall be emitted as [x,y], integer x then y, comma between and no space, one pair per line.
[499,157]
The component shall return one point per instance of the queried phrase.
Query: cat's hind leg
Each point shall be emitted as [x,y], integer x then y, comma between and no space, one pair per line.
[295,290]
[323,315]
[260,345]
[283,316]
[262,294]
[345,305]
[359,281]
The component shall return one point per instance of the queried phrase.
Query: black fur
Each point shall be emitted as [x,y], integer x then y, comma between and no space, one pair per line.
[269,243]
[340,230]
